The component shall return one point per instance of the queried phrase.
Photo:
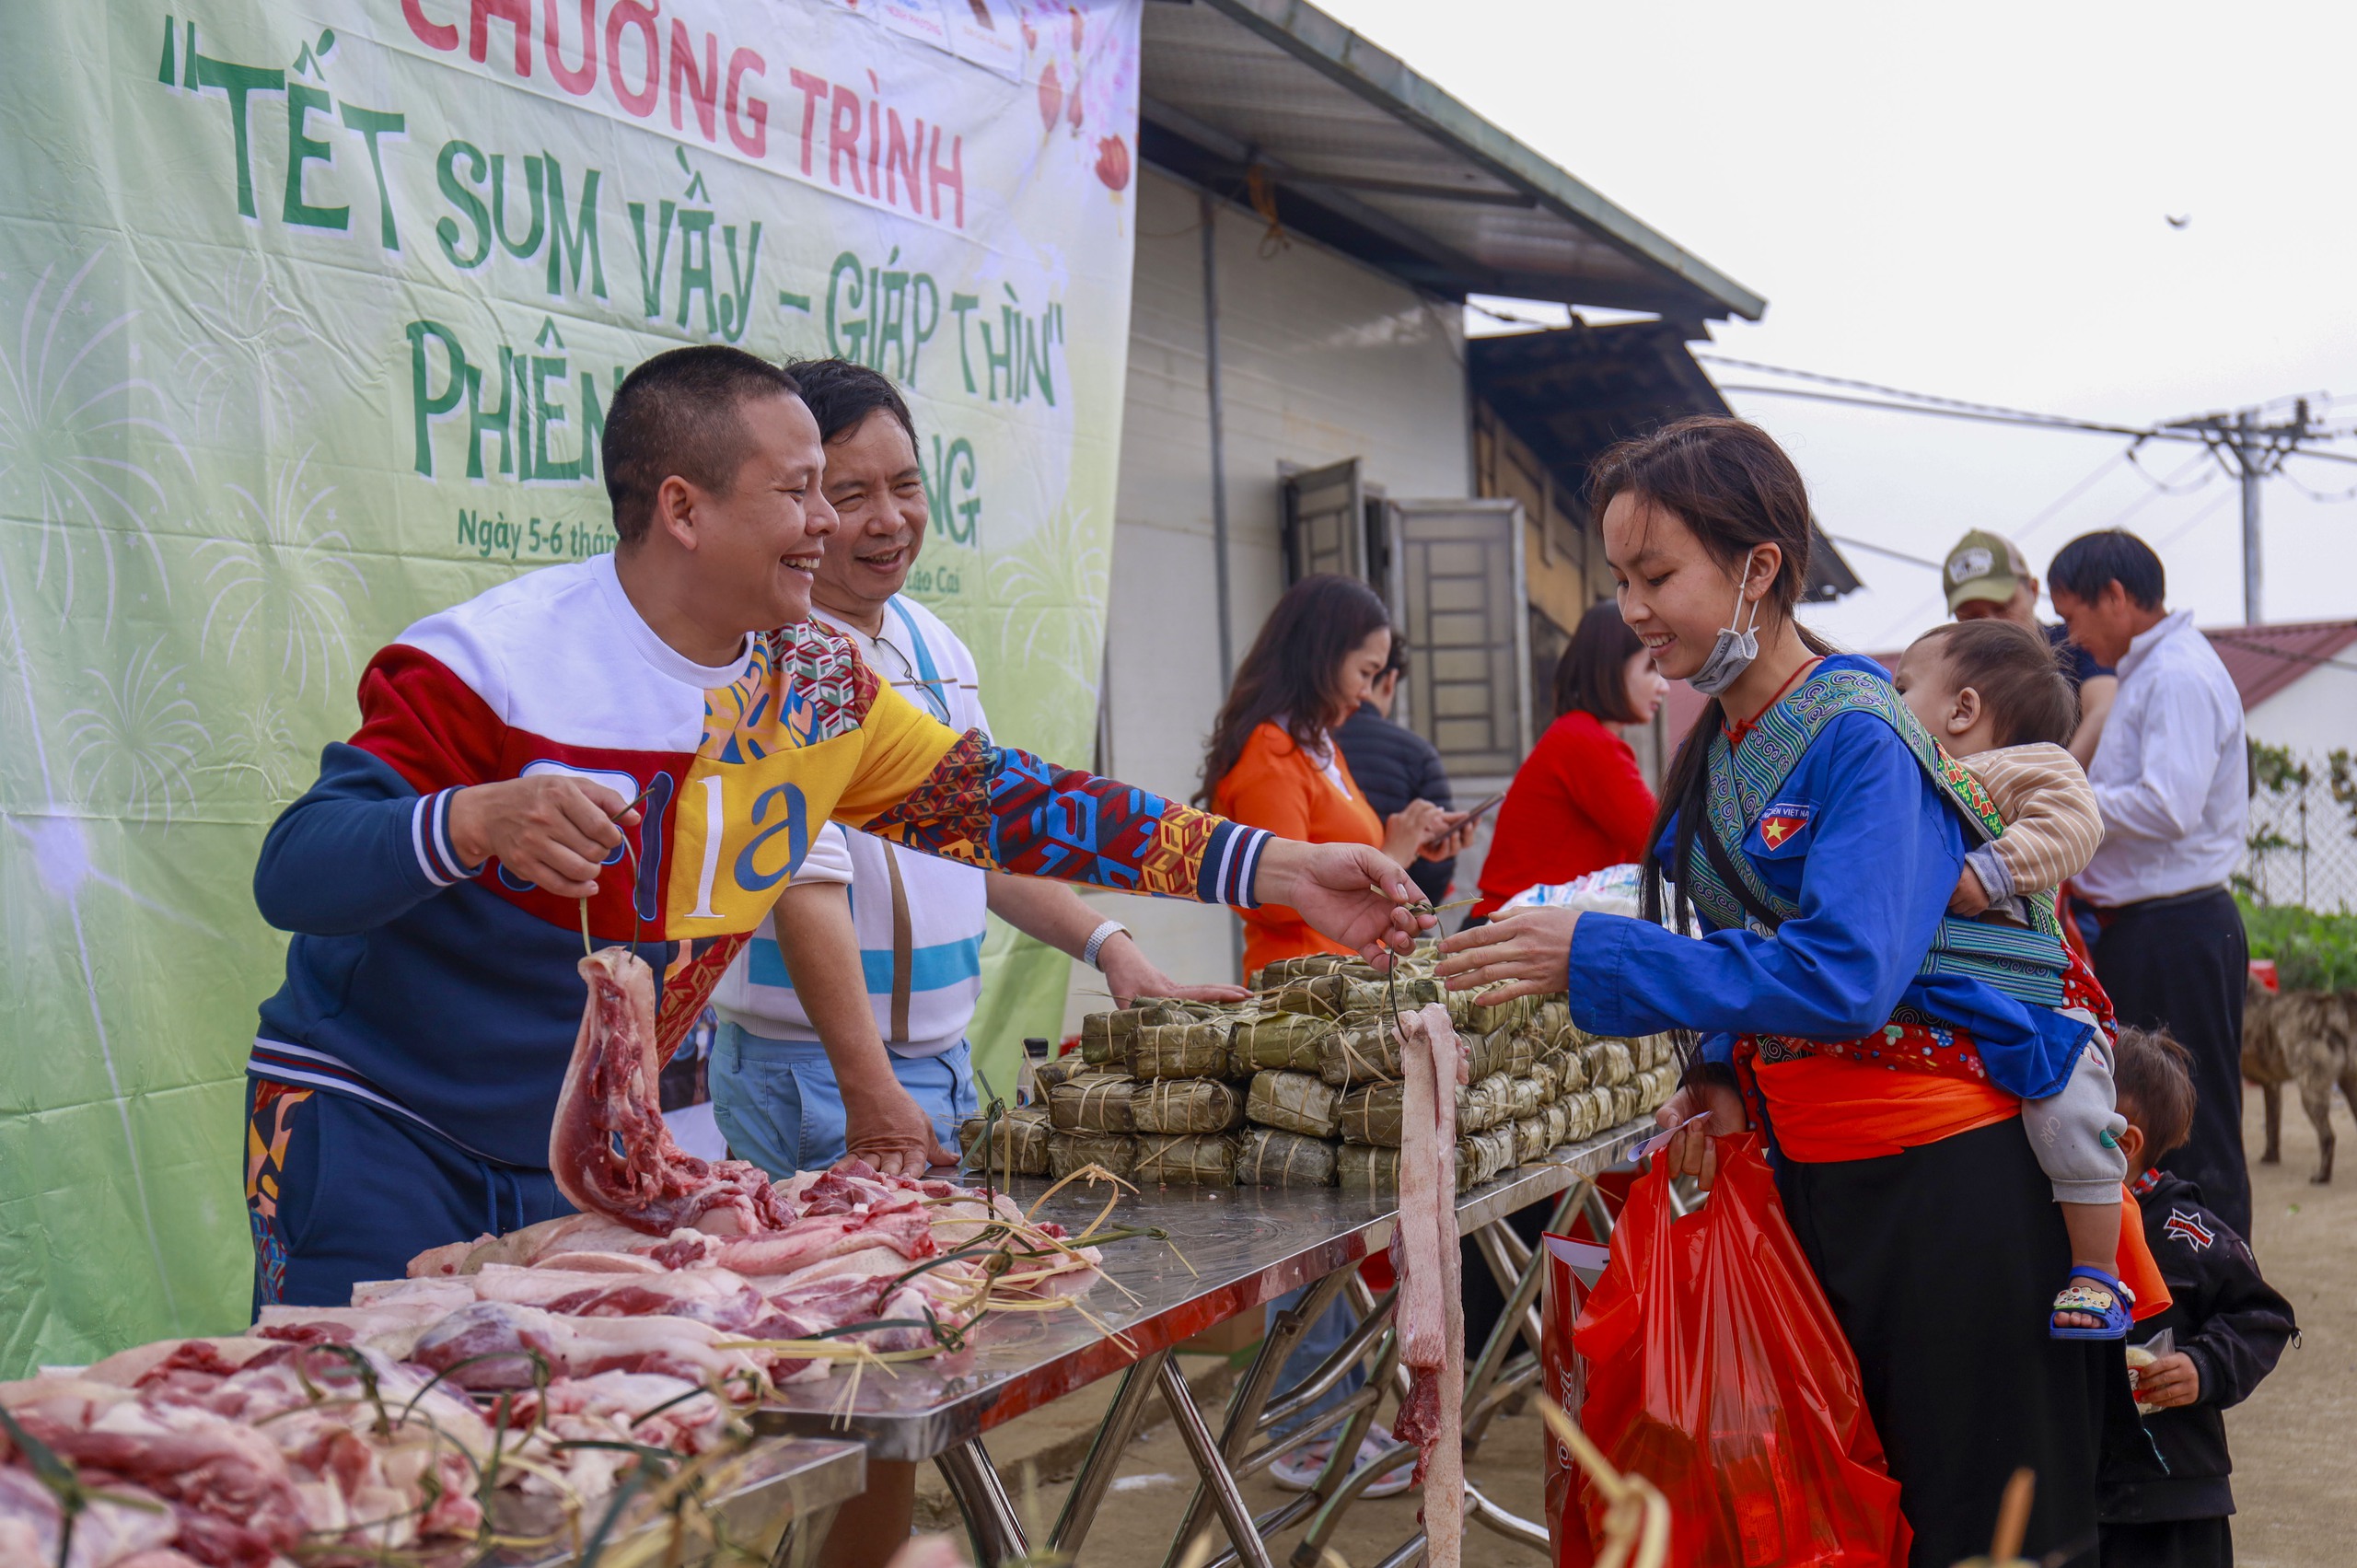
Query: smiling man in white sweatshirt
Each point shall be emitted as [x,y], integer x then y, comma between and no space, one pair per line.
[843,1022]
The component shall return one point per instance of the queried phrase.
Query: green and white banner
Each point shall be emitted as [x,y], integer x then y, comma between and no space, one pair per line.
[308,313]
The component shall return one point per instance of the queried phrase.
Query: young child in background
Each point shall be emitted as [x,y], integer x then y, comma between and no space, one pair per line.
[2169,1508]
[1994,694]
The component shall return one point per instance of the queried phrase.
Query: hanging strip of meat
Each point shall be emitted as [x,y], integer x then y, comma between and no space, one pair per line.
[1431,1312]
[608,1149]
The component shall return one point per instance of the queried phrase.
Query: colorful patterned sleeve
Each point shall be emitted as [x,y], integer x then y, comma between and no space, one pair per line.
[996,807]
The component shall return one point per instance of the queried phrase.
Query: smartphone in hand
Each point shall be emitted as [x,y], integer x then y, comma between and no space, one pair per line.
[1473,816]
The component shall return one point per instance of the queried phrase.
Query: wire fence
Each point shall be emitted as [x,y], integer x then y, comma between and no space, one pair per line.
[2303,829]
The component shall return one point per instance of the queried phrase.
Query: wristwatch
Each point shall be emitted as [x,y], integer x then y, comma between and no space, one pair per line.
[1097,940]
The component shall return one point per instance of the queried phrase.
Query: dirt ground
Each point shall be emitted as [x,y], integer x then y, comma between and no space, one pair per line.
[2294,1442]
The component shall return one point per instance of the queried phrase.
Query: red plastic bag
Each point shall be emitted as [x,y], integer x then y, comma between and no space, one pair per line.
[1573,1266]
[1715,1369]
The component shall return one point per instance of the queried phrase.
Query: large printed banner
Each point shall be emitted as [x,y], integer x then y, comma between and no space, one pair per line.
[309,310]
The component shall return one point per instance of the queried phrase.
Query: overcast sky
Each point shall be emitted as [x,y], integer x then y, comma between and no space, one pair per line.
[1974,204]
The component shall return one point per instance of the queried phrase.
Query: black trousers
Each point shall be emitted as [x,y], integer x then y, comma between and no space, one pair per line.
[2177,1543]
[1940,1262]
[2182,965]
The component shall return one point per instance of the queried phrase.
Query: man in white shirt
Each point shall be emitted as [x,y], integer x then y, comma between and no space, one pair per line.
[843,1022]
[2171,775]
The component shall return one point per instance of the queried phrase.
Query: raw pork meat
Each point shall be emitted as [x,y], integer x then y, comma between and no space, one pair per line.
[610,1150]
[1432,1311]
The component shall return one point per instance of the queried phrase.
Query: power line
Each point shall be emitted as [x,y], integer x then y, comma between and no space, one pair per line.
[2196,431]
[1947,408]
[1856,543]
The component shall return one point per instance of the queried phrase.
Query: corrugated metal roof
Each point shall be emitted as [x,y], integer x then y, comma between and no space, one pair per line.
[1571,392]
[2265,659]
[1359,151]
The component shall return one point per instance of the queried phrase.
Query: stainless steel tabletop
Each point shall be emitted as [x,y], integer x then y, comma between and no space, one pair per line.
[1231,1249]
[752,1497]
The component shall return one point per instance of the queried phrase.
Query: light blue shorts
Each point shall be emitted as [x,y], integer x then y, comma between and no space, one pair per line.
[778,1105]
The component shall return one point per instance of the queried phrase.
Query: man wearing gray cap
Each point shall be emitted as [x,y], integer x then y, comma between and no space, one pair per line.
[1987,578]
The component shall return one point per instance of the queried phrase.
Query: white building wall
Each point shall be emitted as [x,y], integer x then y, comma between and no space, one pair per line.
[2314,715]
[1321,359]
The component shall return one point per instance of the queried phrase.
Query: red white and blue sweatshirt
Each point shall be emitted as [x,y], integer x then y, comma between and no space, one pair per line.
[448,993]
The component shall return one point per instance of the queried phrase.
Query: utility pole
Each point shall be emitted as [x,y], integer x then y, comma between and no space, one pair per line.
[2250,449]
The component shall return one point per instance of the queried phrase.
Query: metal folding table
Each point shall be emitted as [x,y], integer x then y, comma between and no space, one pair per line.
[775,1499]
[1230,1250]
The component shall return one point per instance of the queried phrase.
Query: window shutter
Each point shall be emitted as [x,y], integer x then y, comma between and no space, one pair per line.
[1326,521]
[1463,606]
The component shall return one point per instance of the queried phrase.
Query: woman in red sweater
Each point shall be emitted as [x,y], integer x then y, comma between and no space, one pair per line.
[1578,803]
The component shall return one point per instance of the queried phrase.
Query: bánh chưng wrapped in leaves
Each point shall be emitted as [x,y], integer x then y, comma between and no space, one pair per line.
[1196,1048]
[1359,1053]
[1270,1156]
[1068,1152]
[1287,1041]
[1019,1140]
[1609,1062]
[1186,1106]
[1187,1159]
[1094,1102]
[1052,1074]
[1525,1100]
[1299,1102]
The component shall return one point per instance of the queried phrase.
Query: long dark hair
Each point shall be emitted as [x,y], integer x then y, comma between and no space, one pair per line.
[1593,675]
[1294,669]
[1735,490]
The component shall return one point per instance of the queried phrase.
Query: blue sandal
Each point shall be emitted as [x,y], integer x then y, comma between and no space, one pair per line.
[2106,1298]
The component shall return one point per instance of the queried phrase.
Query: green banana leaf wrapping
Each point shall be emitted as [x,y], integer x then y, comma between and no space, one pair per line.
[1094,1102]
[1019,1140]
[1284,971]
[1270,1156]
[1359,1053]
[1285,1040]
[1197,1048]
[1187,1160]
[1371,1116]
[1365,1168]
[1052,1074]
[1186,1106]
[1299,1102]
[1068,1152]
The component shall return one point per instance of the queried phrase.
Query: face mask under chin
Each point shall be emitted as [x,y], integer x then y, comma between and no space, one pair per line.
[1733,652]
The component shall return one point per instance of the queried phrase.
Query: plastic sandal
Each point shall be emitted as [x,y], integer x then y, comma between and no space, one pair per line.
[2107,1298]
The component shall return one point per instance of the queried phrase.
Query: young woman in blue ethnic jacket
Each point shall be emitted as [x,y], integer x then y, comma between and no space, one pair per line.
[1816,831]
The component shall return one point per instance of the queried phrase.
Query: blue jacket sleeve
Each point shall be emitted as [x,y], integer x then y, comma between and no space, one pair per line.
[1881,861]
[359,849]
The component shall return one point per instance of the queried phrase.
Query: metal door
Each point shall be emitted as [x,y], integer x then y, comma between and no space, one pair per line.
[1463,607]
[1326,521]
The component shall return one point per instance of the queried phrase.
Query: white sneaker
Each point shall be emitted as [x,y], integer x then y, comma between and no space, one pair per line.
[1299,1470]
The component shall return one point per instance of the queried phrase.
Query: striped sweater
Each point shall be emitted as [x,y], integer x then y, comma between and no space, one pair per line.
[2053,827]
[448,994]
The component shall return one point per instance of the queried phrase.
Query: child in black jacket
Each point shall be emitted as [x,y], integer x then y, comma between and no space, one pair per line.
[2169,1508]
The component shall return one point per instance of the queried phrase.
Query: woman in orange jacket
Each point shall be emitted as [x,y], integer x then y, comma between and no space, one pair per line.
[1273,762]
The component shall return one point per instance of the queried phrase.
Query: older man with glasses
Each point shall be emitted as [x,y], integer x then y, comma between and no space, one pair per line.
[843,1022]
